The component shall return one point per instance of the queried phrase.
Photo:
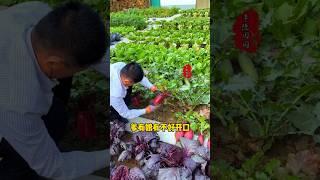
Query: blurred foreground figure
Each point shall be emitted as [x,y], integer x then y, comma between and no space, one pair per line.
[40,50]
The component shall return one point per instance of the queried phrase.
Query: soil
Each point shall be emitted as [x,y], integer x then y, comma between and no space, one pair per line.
[167,112]
[235,148]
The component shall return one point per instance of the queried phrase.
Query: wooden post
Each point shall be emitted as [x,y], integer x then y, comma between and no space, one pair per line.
[202,4]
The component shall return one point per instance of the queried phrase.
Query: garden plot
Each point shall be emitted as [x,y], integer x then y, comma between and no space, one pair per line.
[144,155]
[266,103]
[151,25]
[163,52]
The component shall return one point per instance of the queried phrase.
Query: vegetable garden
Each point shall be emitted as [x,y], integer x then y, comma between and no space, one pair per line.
[266,104]
[163,48]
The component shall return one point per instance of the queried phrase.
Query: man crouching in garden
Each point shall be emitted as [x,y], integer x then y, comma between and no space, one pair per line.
[40,50]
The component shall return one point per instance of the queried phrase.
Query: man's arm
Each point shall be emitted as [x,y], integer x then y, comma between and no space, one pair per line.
[28,135]
[146,83]
[119,105]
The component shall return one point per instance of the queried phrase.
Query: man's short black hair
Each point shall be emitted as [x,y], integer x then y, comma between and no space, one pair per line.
[133,71]
[75,30]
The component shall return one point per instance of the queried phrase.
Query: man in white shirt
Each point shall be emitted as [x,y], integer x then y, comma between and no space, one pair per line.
[40,47]
[122,77]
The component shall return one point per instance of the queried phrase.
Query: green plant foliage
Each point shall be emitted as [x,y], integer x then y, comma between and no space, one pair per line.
[198,124]
[122,19]
[278,92]
[123,30]
[190,23]
[195,12]
[152,12]
[165,49]
[255,168]
[90,82]
[172,38]
[164,66]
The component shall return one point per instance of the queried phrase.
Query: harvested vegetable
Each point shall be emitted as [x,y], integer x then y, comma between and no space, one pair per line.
[159,98]
[86,125]
[178,135]
[201,139]
[189,134]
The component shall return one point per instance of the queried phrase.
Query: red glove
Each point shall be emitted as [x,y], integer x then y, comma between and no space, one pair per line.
[154,88]
[150,108]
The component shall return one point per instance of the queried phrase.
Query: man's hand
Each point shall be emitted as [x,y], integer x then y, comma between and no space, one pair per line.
[154,88]
[151,108]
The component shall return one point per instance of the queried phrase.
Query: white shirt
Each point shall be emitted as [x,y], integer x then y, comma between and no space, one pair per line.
[26,94]
[118,91]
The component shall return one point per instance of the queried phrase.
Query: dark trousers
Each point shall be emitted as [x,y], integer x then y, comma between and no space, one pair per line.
[113,113]
[13,166]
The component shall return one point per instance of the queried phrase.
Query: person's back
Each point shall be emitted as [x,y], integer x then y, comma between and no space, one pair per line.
[38,47]
[18,70]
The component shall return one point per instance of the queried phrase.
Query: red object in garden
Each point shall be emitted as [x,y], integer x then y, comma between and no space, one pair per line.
[178,135]
[189,134]
[160,98]
[246,28]
[201,139]
[136,100]
[86,125]
[187,71]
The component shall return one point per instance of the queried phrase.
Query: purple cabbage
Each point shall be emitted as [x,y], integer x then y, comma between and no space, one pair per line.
[190,164]
[151,165]
[190,146]
[185,173]
[198,159]
[117,130]
[149,139]
[201,177]
[120,173]
[139,156]
[205,168]
[203,152]
[114,149]
[171,155]
[125,155]
[152,161]
[175,173]
[145,137]
[158,159]
[136,174]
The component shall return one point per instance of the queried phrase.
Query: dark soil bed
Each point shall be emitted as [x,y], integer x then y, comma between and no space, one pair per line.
[72,142]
